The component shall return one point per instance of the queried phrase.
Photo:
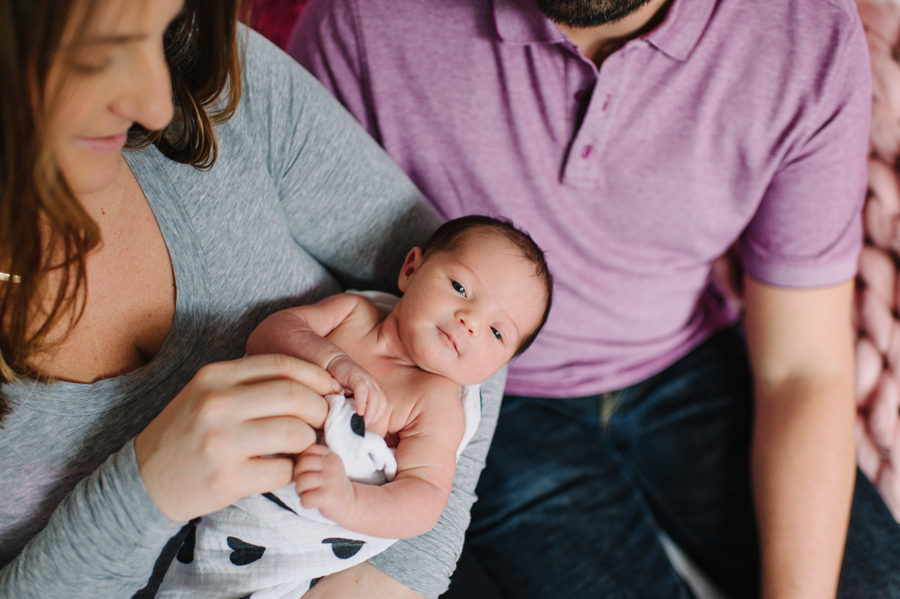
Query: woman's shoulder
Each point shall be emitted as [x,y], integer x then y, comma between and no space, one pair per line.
[282,108]
[273,83]
[265,66]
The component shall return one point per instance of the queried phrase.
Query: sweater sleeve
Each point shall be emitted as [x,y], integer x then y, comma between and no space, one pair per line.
[102,540]
[348,206]
[347,203]
[327,42]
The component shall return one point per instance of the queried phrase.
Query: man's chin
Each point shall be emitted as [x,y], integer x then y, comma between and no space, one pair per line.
[582,14]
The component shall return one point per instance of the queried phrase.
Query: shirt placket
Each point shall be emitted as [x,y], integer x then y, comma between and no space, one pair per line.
[593,95]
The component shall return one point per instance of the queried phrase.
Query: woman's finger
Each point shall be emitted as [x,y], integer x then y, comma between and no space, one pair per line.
[276,435]
[273,398]
[261,475]
[253,369]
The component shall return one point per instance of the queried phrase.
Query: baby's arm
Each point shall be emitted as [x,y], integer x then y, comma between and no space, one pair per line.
[300,332]
[409,505]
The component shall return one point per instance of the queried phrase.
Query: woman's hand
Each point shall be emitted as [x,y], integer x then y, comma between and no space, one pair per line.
[202,453]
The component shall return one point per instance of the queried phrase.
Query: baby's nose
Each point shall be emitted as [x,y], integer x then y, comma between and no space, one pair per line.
[467,323]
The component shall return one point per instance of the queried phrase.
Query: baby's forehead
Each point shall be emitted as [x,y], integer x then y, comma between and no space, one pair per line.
[486,239]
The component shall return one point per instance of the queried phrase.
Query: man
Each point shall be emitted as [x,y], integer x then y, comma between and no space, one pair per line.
[637,140]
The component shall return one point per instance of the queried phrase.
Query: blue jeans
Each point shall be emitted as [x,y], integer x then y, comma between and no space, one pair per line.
[576,489]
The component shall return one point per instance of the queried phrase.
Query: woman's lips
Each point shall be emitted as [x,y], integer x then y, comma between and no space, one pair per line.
[102,145]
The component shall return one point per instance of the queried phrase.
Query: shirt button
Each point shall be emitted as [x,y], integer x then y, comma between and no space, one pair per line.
[587,151]
[580,96]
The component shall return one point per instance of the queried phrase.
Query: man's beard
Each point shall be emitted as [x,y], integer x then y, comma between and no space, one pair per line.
[588,13]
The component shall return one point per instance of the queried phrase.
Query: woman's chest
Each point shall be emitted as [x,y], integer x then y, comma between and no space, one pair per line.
[130,296]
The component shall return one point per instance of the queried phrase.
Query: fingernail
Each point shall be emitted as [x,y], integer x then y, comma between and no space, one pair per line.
[336,386]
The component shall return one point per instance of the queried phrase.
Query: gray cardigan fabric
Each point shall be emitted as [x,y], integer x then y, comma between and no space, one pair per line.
[300,204]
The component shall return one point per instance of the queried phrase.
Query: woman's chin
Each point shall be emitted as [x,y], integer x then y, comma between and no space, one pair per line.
[86,179]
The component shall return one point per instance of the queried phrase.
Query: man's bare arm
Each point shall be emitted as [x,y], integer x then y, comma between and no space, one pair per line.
[801,351]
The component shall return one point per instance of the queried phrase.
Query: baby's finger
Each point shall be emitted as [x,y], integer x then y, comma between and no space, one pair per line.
[309,462]
[309,481]
[318,450]
[361,397]
[311,499]
[376,406]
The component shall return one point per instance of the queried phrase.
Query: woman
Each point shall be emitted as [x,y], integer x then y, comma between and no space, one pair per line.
[132,279]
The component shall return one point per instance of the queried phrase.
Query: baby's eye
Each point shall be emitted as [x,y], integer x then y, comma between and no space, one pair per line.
[497,334]
[459,288]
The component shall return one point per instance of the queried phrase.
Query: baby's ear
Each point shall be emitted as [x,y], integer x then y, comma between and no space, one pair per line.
[410,266]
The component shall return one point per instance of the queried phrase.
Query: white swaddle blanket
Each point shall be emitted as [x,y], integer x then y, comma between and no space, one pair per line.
[269,546]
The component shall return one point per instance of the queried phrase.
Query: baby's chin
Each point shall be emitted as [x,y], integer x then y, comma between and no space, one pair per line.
[465,381]
[461,377]
[437,371]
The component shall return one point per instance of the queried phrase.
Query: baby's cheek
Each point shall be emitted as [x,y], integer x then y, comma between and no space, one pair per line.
[498,361]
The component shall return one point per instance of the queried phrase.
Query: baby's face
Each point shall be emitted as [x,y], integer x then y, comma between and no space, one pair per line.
[465,311]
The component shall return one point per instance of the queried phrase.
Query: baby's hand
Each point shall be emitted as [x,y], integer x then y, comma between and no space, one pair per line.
[322,482]
[370,400]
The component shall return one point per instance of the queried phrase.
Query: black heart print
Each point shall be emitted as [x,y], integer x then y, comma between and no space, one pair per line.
[344,548]
[244,553]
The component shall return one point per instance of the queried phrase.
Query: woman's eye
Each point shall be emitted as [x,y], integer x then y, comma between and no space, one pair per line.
[89,67]
[86,62]
[459,288]
[497,334]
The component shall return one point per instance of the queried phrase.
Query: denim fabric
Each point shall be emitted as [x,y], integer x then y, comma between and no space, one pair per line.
[576,489]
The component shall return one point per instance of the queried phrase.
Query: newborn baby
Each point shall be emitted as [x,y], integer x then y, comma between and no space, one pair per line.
[473,298]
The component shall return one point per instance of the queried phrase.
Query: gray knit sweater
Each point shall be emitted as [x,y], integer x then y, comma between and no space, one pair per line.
[299,204]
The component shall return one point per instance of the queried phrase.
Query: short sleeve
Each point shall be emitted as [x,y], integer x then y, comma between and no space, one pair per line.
[327,42]
[807,231]
[346,202]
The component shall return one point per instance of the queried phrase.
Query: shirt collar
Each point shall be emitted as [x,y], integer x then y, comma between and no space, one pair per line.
[521,22]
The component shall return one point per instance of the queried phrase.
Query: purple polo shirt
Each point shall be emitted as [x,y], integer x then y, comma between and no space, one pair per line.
[734,119]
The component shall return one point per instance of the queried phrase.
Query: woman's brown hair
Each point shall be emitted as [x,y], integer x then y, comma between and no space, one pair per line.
[43,228]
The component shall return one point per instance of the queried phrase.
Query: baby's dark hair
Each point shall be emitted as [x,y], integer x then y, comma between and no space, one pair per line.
[453,232]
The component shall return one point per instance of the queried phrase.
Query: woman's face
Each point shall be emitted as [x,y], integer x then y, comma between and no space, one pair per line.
[105,78]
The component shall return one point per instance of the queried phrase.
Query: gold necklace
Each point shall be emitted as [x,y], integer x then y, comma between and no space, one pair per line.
[6,277]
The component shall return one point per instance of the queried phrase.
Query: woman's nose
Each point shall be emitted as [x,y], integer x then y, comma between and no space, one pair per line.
[146,97]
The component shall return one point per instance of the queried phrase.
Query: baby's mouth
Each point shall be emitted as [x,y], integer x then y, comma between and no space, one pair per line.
[449,340]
